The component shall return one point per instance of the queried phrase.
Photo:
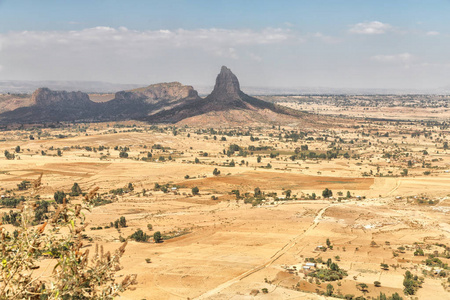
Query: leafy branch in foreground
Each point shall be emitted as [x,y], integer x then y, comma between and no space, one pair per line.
[29,253]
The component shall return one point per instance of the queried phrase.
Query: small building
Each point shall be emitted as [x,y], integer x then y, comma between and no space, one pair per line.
[310,264]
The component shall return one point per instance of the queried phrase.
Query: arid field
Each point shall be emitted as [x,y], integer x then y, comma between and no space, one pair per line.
[262,214]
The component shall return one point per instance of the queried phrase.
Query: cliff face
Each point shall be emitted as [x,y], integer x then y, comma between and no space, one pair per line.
[169,92]
[45,97]
[54,106]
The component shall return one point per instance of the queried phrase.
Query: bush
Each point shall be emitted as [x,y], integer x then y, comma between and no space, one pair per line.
[24,185]
[22,250]
[59,197]
[326,193]
[139,236]
[76,190]
[195,190]
[157,237]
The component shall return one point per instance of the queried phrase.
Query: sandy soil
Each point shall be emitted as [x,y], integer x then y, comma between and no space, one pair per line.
[230,249]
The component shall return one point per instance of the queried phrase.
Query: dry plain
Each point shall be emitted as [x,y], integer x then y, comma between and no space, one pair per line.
[218,245]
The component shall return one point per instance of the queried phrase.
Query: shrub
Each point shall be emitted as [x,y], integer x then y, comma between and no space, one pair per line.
[22,250]
[157,237]
[59,197]
[76,190]
[139,236]
[195,190]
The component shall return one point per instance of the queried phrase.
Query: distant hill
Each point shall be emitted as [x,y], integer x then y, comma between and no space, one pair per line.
[46,105]
[158,103]
[226,103]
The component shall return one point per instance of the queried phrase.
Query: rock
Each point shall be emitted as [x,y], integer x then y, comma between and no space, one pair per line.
[46,97]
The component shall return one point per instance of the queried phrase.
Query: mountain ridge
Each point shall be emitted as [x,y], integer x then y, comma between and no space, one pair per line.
[169,102]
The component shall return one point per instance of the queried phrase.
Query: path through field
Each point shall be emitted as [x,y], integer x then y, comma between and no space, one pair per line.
[272,259]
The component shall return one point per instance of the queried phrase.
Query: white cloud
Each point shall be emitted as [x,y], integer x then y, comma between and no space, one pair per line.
[432,33]
[112,54]
[255,57]
[374,27]
[179,38]
[326,38]
[395,58]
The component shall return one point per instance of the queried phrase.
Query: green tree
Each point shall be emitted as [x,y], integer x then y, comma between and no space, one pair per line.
[258,159]
[216,172]
[362,287]
[17,149]
[157,237]
[24,185]
[76,190]
[195,190]
[330,290]
[139,236]
[59,197]
[288,193]
[326,193]
[8,155]
[122,221]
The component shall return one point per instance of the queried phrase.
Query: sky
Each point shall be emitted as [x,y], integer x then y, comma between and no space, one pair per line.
[390,44]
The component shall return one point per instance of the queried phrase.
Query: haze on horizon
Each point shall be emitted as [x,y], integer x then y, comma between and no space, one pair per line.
[339,44]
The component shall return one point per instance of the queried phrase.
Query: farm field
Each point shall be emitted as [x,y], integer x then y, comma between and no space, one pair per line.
[261,211]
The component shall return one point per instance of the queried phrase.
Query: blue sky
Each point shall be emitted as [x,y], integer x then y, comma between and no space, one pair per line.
[334,43]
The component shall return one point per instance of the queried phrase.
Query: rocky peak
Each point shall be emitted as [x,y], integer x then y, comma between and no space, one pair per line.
[227,86]
[47,97]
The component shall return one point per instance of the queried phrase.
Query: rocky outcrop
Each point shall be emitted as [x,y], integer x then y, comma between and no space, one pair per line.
[45,97]
[167,92]
[54,106]
[157,103]
[225,96]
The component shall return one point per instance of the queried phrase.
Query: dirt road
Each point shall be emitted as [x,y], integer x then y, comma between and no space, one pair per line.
[272,259]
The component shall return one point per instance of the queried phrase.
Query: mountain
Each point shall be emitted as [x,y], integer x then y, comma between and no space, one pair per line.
[47,105]
[141,102]
[54,106]
[158,103]
[226,103]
